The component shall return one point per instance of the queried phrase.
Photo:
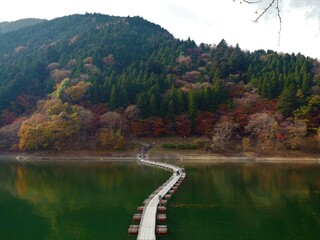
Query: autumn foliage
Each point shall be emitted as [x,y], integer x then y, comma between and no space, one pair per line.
[97,81]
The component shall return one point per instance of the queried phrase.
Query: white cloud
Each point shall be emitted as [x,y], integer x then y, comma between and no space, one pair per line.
[201,20]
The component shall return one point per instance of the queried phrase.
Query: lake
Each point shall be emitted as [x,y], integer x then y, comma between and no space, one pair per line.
[86,200]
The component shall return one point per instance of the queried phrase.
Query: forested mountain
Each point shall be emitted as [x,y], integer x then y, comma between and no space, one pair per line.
[16,25]
[96,80]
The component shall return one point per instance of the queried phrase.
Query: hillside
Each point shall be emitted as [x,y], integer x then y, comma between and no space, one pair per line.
[27,53]
[16,25]
[94,81]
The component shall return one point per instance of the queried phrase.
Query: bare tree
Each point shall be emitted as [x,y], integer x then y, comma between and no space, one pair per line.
[295,132]
[57,75]
[262,128]
[110,120]
[132,112]
[264,10]
[87,123]
[9,134]
[223,131]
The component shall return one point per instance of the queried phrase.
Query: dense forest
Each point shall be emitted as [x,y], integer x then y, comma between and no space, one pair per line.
[95,81]
[16,25]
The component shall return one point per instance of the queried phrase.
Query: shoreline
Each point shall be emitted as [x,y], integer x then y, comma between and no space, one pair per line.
[184,158]
[218,159]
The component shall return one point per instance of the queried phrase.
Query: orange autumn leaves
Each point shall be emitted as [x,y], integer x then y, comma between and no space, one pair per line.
[51,126]
[61,122]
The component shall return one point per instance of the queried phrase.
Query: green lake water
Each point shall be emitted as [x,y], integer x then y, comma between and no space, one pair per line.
[84,200]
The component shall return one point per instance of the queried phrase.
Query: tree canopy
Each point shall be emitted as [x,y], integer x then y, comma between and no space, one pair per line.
[97,78]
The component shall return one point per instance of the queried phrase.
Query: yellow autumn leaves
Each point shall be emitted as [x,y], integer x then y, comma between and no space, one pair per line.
[54,124]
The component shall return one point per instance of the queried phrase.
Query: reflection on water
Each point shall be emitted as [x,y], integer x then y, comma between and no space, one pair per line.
[247,202]
[72,201]
[98,200]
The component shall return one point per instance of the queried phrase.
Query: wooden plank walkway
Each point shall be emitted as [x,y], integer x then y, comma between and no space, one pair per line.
[148,220]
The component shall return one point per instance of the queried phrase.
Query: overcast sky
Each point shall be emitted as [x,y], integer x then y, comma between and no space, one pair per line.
[205,21]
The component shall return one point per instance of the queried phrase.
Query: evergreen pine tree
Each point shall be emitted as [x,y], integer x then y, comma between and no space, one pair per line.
[210,98]
[171,111]
[250,72]
[163,107]
[123,98]
[180,102]
[220,93]
[143,105]
[153,106]
[113,98]
[287,101]
[306,84]
[192,107]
